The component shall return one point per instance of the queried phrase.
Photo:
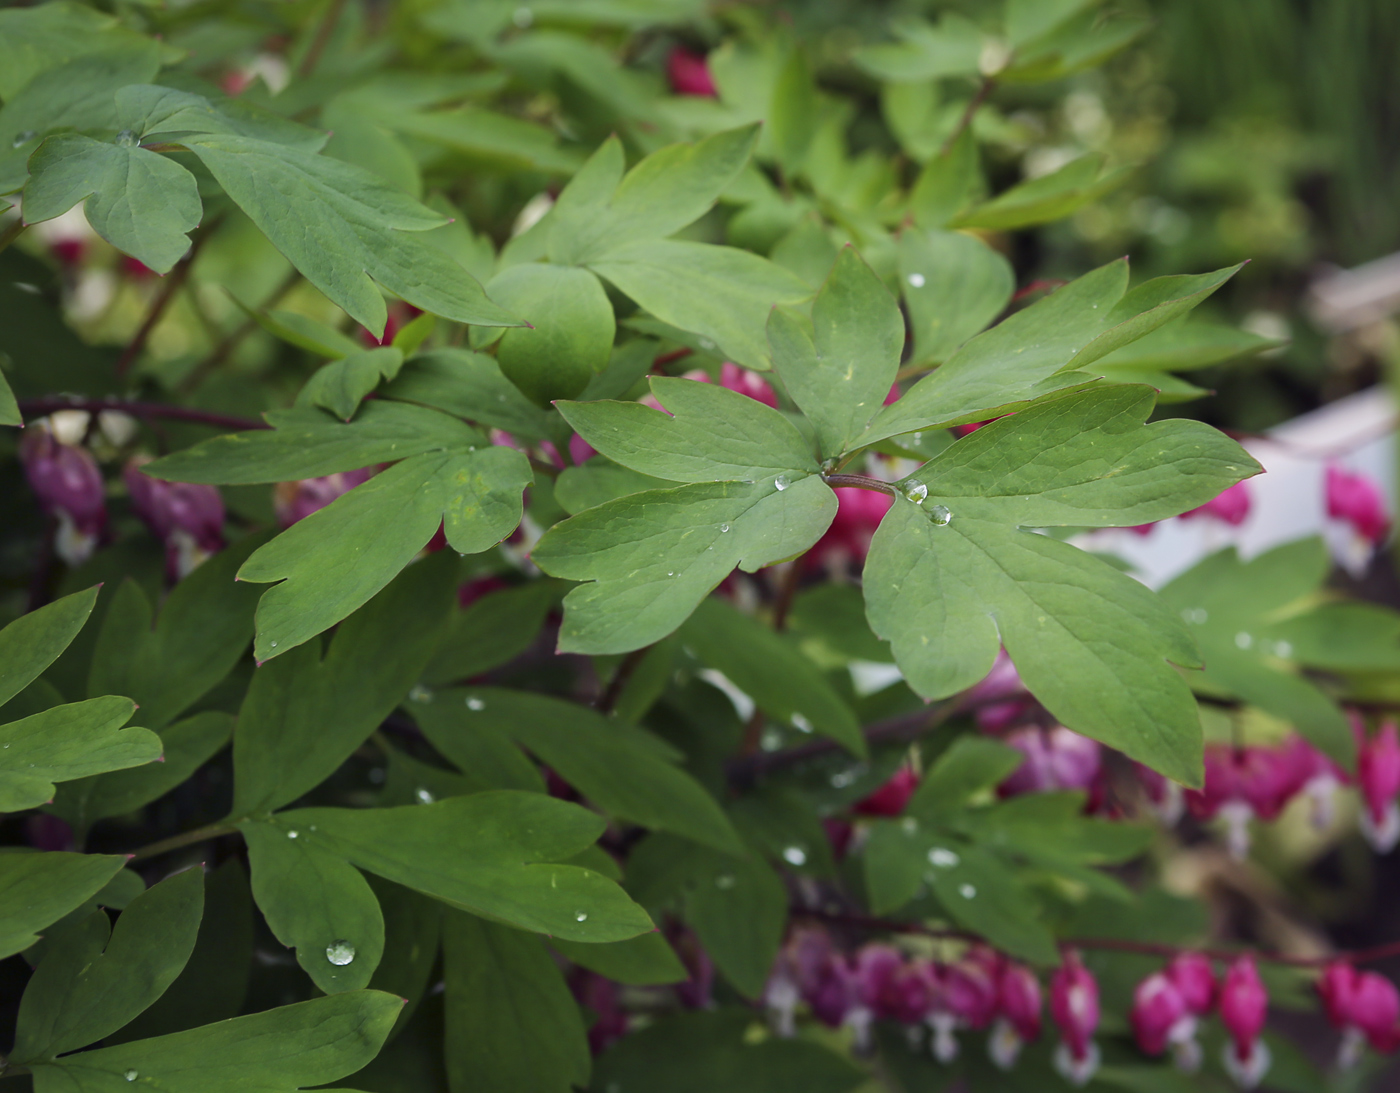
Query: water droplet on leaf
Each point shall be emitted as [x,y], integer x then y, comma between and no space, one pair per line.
[23,137]
[724,881]
[580,916]
[917,280]
[475,704]
[723,528]
[127,138]
[941,515]
[967,891]
[942,857]
[425,796]
[130,1075]
[915,490]
[781,483]
[795,855]
[340,953]
[1281,649]
[1243,640]
[800,723]
[293,834]
[419,693]
[909,825]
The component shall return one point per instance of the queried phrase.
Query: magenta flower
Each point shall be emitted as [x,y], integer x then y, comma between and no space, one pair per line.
[746,383]
[1378,778]
[295,501]
[1159,1015]
[186,516]
[1356,499]
[66,480]
[847,540]
[962,995]
[1074,1004]
[1018,1016]
[1364,1006]
[1193,975]
[689,73]
[1056,760]
[1243,1006]
[1230,507]
[1243,784]
[890,798]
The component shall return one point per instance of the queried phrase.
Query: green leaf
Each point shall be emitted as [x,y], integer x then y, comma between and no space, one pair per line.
[954,285]
[345,230]
[495,854]
[793,113]
[412,932]
[600,210]
[276,1051]
[949,182]
[341,386]
[952,577]
[721,293]
[571,329]
[1050,197]
[67,742]
[202,631]
[652,557]
[1027,20]
[643,961]
[307,443]
[712,434]
[39,39]
[1182,345]
[839,366]
[487,756]
[783,683]
[33,641]
[926,51]
[139,201]
[971,765]
[623,770]
[86,989]
[9,408]
[305,333]
[185,747]
[334,560]
[1079,42]
[1254,635]
[980,894]
[165,114]
[318,904]
[703,1052]
[470,385]
[1018,359]
[491,631]
[37,890]
[304,715]
[511,1022]
[599,480]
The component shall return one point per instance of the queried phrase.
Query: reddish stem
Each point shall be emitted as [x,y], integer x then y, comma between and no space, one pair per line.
[38,407]
[860,482]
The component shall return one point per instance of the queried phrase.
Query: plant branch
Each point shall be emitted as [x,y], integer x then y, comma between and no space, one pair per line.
[787,591]
[174,281]
[973,105]
[322,39]
[189,838]
[1106,944]
[860,481]
[38,407]
[221,352]
[608,699]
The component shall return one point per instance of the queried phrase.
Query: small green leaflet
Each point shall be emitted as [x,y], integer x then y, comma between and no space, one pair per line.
[954,285]
[470,385]
[1258,622]
[1050,197]
[496,854]
[334,560]
[341,385]
[755,498]
[36,890]
[926,51]
[1048,347]
[952,574]
[33,641]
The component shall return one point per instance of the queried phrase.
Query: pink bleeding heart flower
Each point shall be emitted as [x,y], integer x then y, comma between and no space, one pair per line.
[1018,1014]
[1000,698]
[962,995]
[1364,1006]
[1167,1006]
[690,73]
[1230,507]
[1357,500]
[1242,784]
[68,483]
[1244,1004]
[807,969]
[1378,778]
[1317,777]
[293,501]
[847,540]
[1074,1004]
[887,987]
[747,383]
[890,798]
[580,451]
[1164,797]
[1193,975]
[1057,760]
[601,996]
[186,516]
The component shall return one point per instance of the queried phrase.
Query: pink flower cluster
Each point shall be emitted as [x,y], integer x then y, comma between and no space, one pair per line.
[980,990]
[1364,1007]
[68,483]
[186,516]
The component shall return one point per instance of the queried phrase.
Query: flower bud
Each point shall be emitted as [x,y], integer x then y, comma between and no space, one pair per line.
[1018,1021]
[689,73]
[68,484]
[295,501]
[1074,1004]
[1159,1015]
[1243,1006]
[1356,499]
[1231,507]
[1378,778]
[1193,976]
[1364,1006]
[186,516]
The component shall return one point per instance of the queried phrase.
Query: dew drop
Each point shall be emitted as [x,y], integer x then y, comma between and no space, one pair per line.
[1281,649]
[127,138]
[1196,615]
[419,693]
[340,953]
[425,795]
[705,343]
[580,916]
[915,491]
[475,704]
[7,745]
[942,857]
[724,881]
[130,1075]
[272,645]
[1243,640]
[771,740]
[917,280]
[967,891]
[795,855]
[941,515]
[723,528]
[293,834]
[800,723]
[24,136]
[523,17]
[781,483]
[909,825]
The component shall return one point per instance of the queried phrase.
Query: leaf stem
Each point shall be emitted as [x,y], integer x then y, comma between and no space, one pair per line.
[973,105]
[37,407]
[608,699]
[322,39]
[221,352]
[1108,944]
[189,838]
[787,590]
[174,281]
[10,234]
[860,481]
